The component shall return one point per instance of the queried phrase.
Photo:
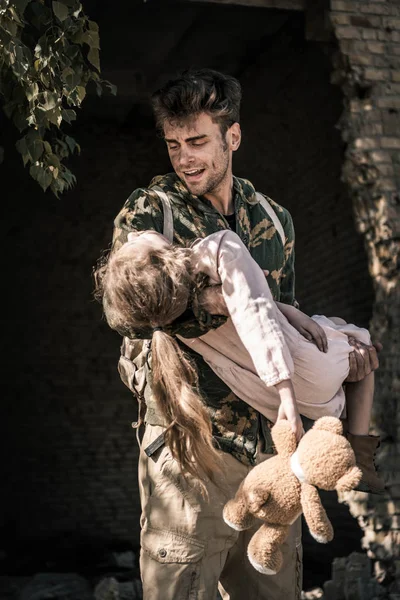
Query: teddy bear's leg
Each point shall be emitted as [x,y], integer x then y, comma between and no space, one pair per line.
[264,548]
[314,513]
[236,513]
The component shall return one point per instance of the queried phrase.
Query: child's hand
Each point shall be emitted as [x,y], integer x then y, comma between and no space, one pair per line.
[308,328]
[288,410]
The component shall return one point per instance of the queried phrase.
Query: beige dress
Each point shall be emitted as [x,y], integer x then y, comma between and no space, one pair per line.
[257,347]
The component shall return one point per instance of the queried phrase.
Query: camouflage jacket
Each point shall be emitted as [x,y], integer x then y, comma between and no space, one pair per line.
[236,425]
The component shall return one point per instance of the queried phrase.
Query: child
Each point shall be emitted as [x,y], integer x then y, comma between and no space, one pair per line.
[259,353]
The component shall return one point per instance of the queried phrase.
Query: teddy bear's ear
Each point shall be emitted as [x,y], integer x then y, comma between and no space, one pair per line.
[349,480]
[284,438]
[329,424]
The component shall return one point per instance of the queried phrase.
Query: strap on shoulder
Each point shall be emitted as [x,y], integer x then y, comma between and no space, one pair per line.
[272,214]
[168,219]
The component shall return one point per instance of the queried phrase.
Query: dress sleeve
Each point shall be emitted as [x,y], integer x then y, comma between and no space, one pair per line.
[223,257]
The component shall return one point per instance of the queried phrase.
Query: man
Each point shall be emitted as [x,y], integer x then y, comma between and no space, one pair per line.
[186,547]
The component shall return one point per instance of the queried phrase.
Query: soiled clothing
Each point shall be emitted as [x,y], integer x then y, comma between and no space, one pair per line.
[258,348]
[236,425]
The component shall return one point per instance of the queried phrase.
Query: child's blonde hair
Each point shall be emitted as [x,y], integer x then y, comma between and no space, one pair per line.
[146,292]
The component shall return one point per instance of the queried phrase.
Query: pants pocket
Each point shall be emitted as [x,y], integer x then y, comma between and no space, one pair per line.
[169,547]
[170,565]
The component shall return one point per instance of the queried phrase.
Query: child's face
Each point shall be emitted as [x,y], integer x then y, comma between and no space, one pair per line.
[142,242]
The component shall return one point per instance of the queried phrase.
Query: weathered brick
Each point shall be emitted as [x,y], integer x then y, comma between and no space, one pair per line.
[391,22]
[394,62]
[361,59]
[345,32]
[388,102]
[372,129]
[369,34]
[395,75]
[373,8]
[377,74]
[381,156]
[365,21]
[390,142]
[393,88]
[389,185]
[366,143]
[376,47]
[340,19]
[388,35]
[343,5]
[387,171]
[381,61]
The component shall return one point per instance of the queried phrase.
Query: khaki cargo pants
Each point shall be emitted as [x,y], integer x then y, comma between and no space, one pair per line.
[188,552]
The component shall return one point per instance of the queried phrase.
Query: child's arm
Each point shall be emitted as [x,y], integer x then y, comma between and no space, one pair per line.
[305,325]
[222,256]
[288,407]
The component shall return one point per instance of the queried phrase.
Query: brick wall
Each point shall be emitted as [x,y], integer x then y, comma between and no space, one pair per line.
[368,69]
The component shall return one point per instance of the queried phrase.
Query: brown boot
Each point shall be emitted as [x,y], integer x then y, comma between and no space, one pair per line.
[364,447]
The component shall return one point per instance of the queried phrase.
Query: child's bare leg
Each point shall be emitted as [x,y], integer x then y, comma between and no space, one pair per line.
[359,399]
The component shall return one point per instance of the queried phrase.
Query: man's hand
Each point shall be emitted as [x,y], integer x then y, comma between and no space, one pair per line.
[212,301]
[363,360]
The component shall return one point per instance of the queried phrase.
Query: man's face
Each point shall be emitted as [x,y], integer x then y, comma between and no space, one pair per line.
[200,155]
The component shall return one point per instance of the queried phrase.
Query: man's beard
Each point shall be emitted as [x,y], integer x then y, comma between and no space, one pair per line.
[215,179]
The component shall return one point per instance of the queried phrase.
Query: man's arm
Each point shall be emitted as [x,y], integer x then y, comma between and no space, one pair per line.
[287,293]
[142,211]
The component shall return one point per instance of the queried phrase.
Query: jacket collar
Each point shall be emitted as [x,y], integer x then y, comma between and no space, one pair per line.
[243,190]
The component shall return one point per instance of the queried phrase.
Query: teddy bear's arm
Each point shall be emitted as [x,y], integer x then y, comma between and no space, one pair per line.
[314,513]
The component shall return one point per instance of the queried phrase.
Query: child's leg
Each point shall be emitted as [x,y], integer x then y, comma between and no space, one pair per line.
[359,399]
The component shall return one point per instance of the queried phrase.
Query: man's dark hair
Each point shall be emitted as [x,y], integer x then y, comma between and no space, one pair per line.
[196,91]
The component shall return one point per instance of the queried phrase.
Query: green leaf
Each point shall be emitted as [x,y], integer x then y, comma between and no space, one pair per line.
[70,143]
[20,119]
[113,88]
[68,115]
[94,58]
[34,171]
[32,91]
[36,149]
[44,178]
[15,15]
[99,89]
[60,10]
[50,100]
[69,178]
[53,160]
[20,5]
[93,26]
[23,150]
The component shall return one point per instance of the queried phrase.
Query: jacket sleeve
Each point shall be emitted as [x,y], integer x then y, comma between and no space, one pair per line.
[287,293]
[143,211]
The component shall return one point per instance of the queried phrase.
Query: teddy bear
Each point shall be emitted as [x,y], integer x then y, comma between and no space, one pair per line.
[279,489]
